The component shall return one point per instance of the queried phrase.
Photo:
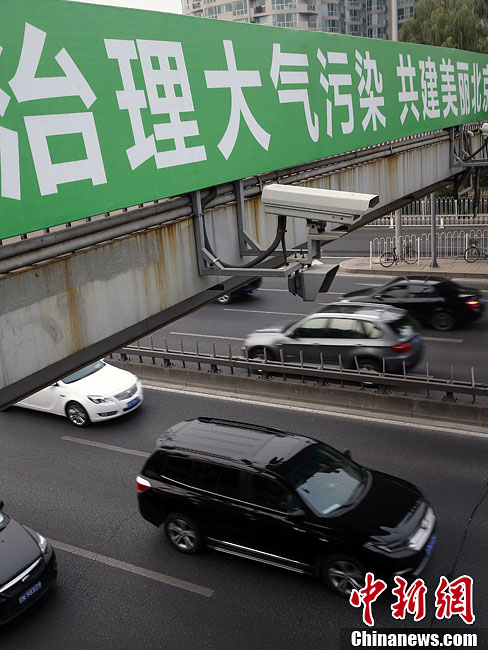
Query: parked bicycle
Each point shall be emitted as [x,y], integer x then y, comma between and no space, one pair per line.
[407,255]
[474,252]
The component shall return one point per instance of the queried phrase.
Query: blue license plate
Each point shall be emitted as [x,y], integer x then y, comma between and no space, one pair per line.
[430,546]
[133,402]
[30,592]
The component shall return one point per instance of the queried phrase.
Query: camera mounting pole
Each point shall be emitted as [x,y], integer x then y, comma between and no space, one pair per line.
[329,214]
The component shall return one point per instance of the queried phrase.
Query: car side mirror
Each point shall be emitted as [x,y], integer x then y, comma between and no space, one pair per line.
[1,505]
[298,513]
[379,297]
[347,454]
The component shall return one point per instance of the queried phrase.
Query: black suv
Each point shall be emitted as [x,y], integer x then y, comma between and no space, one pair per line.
[283,499]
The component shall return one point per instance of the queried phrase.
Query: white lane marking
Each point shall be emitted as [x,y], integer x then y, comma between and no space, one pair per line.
[439,340]
[368,284]
[258,311]
[103,445]
[334,293]
[302,409]
[131,568]
[207,336]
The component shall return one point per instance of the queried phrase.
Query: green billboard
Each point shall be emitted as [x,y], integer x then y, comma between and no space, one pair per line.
[103,108]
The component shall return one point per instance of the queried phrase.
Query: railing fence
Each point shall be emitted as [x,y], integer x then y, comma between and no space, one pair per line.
[449,212]
[449,243]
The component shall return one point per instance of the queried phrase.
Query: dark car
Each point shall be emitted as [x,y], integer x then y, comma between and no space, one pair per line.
[434,301]
[286,500]
[245,290]
[349,334]
[27,567]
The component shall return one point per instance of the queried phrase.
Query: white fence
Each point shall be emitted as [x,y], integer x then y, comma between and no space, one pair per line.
[449,212]
[449,244]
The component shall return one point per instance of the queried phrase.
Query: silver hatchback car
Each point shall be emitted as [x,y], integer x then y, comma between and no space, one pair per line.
[372,337]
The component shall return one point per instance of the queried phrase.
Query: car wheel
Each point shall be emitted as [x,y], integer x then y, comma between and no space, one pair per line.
[369,365]
[225,299]
[183,534]
[442,321]
[257,354]
[77,415]
[342,574]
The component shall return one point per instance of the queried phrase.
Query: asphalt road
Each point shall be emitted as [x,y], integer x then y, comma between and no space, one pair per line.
[116,587]
[224,327]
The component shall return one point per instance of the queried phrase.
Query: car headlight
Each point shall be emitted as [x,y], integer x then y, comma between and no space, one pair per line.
[423,532]
[44,546]
[98,399]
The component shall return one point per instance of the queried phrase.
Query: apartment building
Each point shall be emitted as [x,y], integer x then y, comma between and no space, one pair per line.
[370,18]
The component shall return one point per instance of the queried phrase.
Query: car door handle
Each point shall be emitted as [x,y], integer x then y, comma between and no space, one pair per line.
[194,501]
[299,530]
[251,517]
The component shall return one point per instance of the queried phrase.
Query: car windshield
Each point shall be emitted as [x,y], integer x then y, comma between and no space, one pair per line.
[83,372]
[405,327]
[327,481]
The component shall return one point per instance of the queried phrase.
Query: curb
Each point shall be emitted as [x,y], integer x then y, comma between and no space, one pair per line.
[352,266]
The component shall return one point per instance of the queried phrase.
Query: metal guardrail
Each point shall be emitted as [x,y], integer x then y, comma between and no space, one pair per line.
[326,373]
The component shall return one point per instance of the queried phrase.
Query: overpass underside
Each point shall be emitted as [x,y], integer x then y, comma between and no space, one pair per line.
[140,272]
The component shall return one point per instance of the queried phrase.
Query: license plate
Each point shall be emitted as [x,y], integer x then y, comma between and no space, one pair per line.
[133,402]
[30,592]
[430,546]
[416,339]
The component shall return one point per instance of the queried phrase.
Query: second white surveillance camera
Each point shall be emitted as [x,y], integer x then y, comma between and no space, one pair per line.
[314,204]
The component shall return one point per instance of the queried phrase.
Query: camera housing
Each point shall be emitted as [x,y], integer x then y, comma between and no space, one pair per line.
[314,204]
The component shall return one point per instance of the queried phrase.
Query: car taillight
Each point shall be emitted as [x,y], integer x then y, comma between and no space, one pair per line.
[402,347]
[473,303]
[142,484]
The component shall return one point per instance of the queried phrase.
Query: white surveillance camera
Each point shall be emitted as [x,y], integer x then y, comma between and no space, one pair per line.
[469,133]
[328,206]
[484,129]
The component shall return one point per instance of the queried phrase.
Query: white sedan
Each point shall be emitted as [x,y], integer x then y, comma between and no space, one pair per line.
[94,393]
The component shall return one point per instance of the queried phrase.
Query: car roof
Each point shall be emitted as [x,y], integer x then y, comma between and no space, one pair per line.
[362,310]
[238,442]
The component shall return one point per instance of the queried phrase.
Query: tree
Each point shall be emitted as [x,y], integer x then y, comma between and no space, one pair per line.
[460,24]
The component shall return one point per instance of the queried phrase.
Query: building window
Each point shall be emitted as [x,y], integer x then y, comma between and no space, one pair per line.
[312,22]
[284,4]
[261,20]
[376,19]
[354,14]
[334,26]
[285,20]
[354,30]
[404,13]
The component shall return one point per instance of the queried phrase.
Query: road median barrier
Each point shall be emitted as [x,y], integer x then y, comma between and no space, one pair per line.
[404,398]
